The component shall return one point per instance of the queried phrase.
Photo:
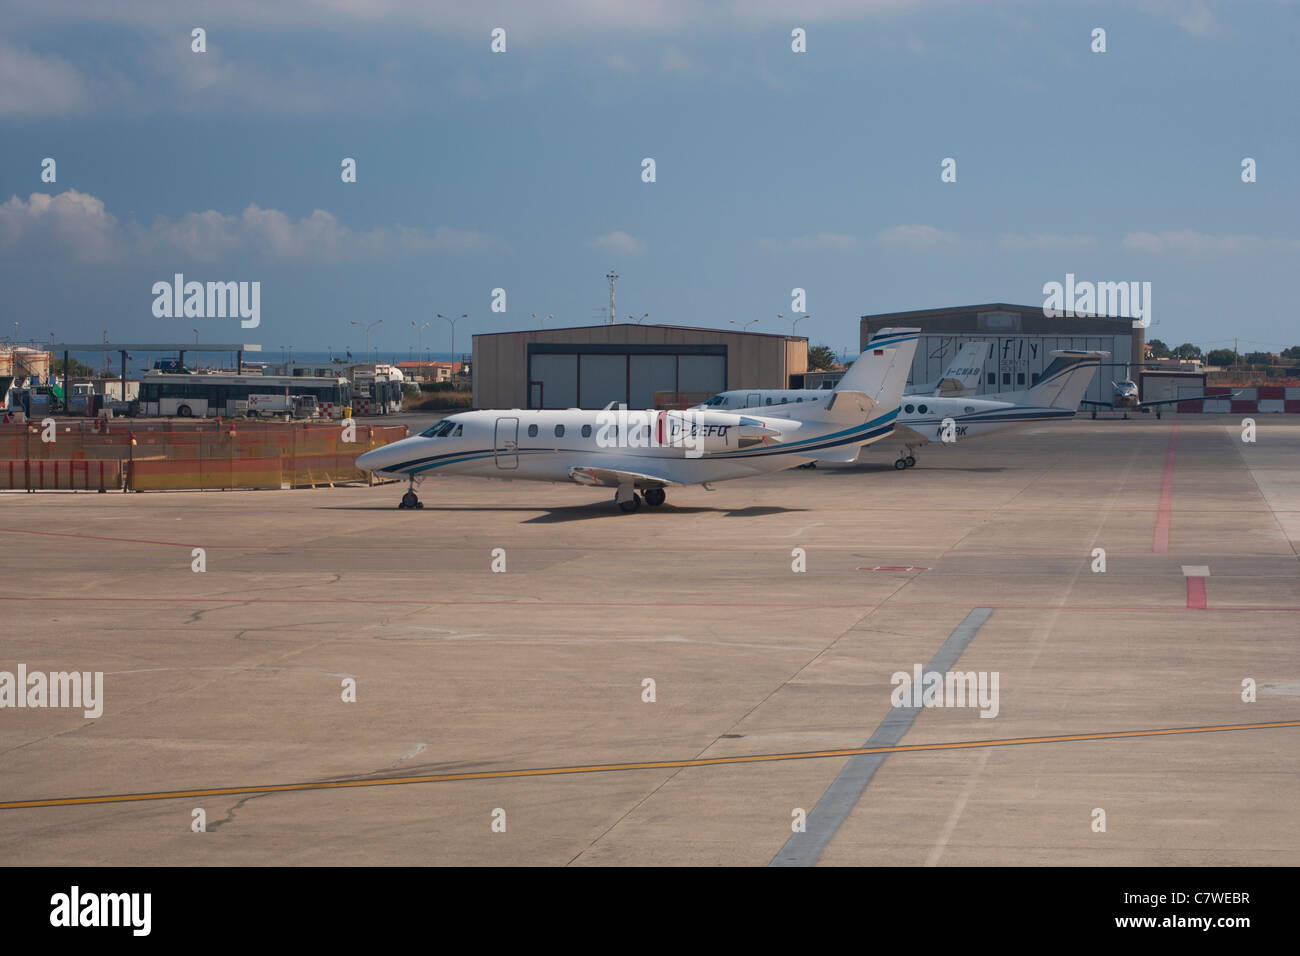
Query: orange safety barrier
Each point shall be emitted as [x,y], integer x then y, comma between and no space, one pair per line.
[55,475]
[170,455]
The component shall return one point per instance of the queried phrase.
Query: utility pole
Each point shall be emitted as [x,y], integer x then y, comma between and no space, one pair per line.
[453,335]
[611,276]
[367,328]
[419,341]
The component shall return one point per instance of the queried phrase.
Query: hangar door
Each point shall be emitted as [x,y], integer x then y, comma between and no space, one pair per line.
[592,376]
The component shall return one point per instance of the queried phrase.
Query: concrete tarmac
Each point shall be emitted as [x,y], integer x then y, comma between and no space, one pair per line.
[234,676]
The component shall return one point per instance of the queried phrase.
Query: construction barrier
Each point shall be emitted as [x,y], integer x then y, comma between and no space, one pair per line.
[155,456]
[1250,401]
[56,475]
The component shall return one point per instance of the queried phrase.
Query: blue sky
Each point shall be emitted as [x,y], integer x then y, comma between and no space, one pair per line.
[522,170]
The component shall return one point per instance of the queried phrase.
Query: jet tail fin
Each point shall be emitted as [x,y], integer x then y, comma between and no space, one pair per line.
[1064,382]
[962,376]
[881,371]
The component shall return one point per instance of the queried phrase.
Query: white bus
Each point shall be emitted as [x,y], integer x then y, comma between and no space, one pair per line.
[204,395]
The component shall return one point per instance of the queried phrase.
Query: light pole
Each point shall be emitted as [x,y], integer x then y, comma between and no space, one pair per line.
[453,332]
[419,339]
[744,326]
[549,315]
[196,336]
[794,320]
[632,318]
[367,328]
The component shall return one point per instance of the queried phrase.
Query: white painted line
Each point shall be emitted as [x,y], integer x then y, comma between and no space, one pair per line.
[1196,570]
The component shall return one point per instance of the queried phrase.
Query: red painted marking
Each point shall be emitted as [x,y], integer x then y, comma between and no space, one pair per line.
[1158,609]
[1160,541]
[1196,594]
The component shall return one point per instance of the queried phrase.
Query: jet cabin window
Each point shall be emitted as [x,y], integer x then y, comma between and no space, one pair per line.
[532,431]
[559,431]
[444,429]
[586,431]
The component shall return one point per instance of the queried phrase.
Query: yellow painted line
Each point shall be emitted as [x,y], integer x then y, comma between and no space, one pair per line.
[646,765]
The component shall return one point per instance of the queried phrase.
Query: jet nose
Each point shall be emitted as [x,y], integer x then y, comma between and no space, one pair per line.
[371,460]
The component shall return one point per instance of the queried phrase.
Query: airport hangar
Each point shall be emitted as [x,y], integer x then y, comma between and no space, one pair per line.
[1020,341]
[641,365]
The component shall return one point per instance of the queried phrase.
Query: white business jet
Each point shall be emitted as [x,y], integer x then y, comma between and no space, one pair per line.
[640,453]
[962,376]
[925,419]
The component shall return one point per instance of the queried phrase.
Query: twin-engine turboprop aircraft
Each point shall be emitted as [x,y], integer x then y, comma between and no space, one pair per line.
[926,419]
[640,453]
[1126,396]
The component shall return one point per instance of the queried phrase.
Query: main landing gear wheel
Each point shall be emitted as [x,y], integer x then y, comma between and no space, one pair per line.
[654,497]
[911,461]
[900,464]
[631,504]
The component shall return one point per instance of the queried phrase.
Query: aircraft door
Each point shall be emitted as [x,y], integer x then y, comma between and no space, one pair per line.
[753,399]
[507,443]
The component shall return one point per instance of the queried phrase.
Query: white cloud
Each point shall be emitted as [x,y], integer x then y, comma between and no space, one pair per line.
[675,61]
[77,224]
[1046,241]
[1190,241]
[619,63]
[1194,16]
[822,241]
[72,220]
[555,17]
[619,242]
[915,236]
[36,85]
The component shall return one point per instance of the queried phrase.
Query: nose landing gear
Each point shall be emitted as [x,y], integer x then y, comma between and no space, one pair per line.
[409,500]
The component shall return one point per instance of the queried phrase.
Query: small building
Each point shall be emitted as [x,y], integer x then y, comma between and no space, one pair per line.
[430,371]
[642,366]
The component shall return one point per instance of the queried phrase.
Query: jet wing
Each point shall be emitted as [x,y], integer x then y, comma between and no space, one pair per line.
[1103,404]
[613,477]
[1191,398]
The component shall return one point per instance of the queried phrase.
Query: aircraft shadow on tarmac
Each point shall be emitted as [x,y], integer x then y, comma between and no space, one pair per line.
[859,468]
[587,511]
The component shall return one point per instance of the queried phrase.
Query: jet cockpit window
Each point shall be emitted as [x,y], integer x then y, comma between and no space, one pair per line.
[443,429]
[717,400]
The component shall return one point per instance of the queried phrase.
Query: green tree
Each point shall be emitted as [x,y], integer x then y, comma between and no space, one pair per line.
[1259,358]
[1187,351]
[1158,349]
[1221,357]
[1292,353]
[75,369]
[820,357]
